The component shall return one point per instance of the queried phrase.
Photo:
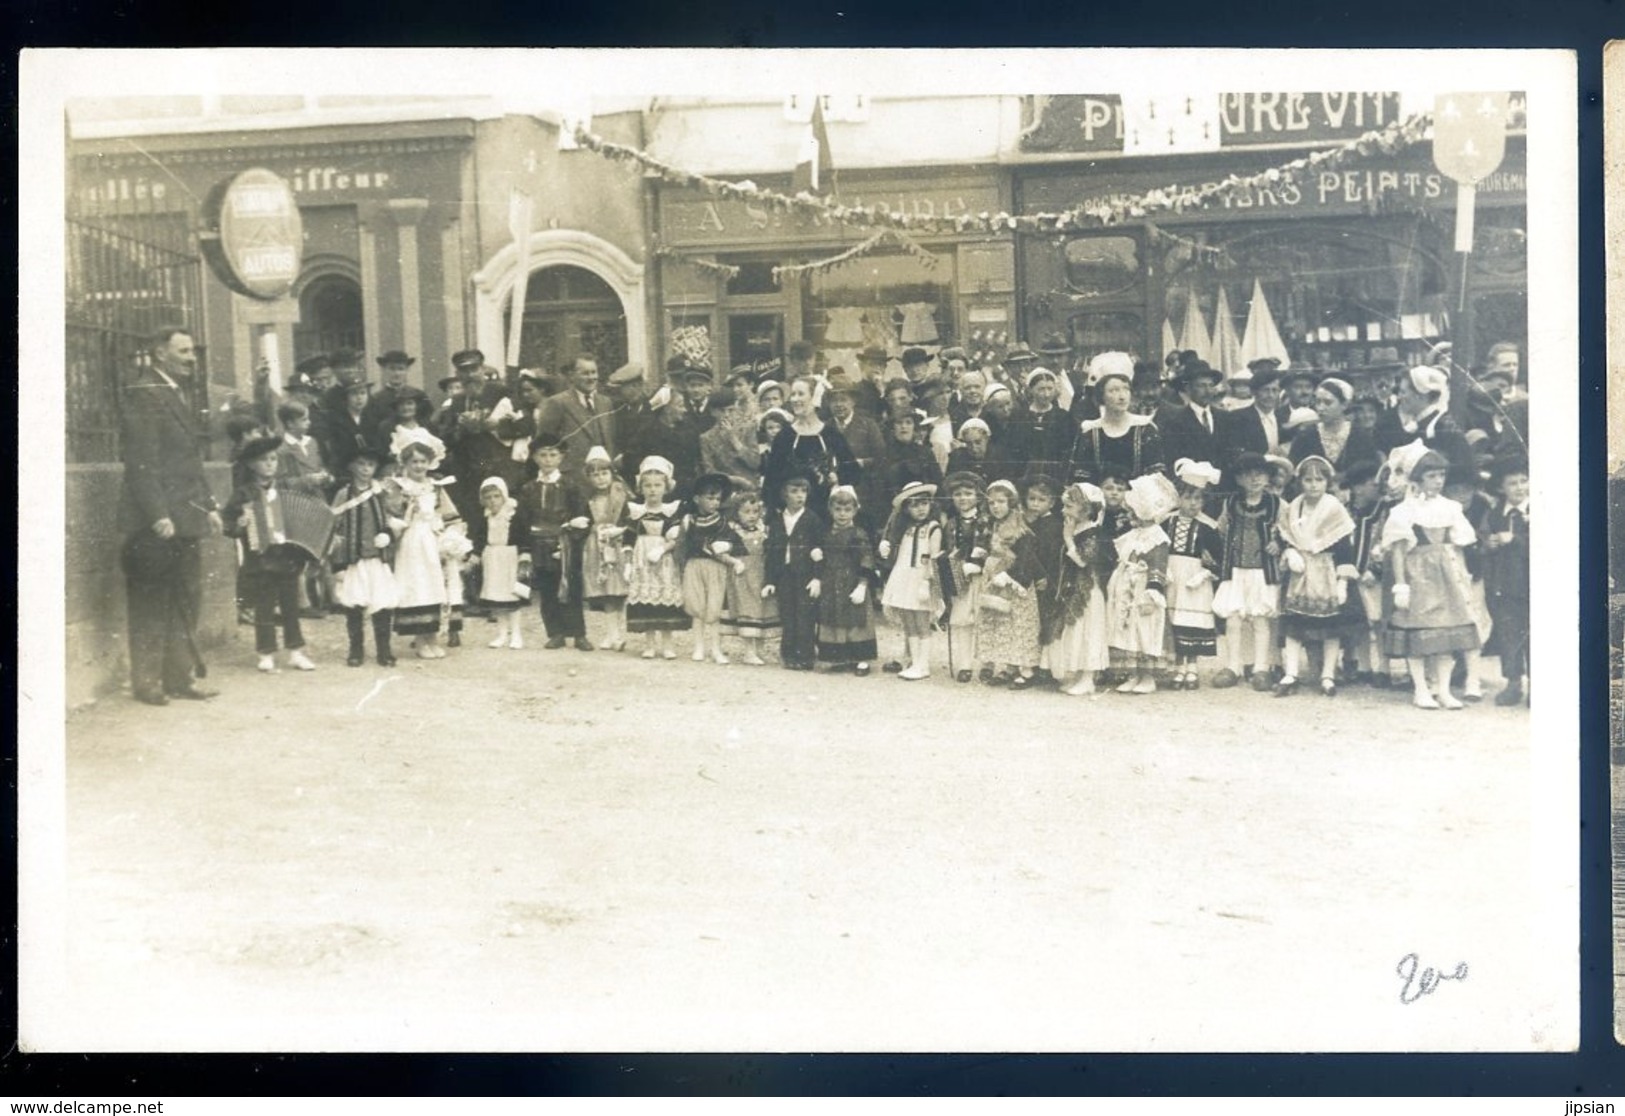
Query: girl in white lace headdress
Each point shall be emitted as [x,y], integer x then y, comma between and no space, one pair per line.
[497,544]
[1423,541]
[427,525]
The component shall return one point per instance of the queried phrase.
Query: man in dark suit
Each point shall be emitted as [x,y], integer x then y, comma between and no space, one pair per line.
[1192,429]
[580,417]
[1259,426]
[393,368]
[166,510]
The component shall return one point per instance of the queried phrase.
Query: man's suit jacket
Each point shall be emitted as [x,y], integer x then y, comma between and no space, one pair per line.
[1184,436]
[1244,432]
[163,463]
[576,428]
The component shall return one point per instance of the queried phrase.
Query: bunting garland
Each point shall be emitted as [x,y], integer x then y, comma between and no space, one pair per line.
[706,265]
[1112,210]
[710,265]
[861,249]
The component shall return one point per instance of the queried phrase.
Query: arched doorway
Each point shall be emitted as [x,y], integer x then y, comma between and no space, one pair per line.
[329,316]
[562,248]
[570,311]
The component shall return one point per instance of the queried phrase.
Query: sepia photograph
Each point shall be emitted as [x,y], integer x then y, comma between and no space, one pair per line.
[801,550]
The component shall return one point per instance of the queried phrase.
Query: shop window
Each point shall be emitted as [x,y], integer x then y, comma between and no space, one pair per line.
[754,338]
[755,277]
[1333,294]
[891,300]
[1101,265]
[1106,332]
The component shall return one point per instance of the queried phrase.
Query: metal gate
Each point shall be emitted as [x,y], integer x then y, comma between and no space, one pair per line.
[127,276]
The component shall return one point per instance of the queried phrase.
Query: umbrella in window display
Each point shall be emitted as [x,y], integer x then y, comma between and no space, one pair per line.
[1261,340]
[1226,345]
[1196,337]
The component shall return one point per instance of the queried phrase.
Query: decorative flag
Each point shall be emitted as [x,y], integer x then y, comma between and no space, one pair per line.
[1261,339]
[1226,345]
[1169,341]
[1168,123]
[520,210]
[1469,141]
[815,173]
[1196,337]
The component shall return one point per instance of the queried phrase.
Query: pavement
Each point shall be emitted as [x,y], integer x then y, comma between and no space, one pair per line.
[560,850]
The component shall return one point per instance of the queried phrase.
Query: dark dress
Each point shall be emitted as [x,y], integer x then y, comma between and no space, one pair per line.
[825,458]
[1135,453]
[846,631]
[1506,587]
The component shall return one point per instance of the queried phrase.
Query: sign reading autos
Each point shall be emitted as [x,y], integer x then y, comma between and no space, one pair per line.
[253,238]
[1177,123]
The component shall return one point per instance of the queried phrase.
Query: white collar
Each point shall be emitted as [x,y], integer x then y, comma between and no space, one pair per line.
[292,440]
[549,478]
[638,511]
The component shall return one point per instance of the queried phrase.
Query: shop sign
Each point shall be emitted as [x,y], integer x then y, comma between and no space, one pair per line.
[255,238]
[688,218]
[1177,123]
[1365,188]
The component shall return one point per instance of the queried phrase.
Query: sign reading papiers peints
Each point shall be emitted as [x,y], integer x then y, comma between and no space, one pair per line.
[254,238]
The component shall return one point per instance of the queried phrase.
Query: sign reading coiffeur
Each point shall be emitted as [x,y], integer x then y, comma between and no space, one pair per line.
[256,239]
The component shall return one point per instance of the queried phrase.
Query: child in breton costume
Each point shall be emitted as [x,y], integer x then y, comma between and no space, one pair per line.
[1137,609]
[1079,650]
[846,630]
[1194,550]
[913,592]
[1316,605]
[362,553]
[604,553]
[1429,586]
[429,535]
[496,545]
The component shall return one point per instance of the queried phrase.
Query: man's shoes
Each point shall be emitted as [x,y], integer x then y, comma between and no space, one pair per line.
[1225,679]
[555,643]
[300,661]
[454,639]
[583,644]
[190,692]
[1512,695]
[150,697]
[892,666]
[386,660]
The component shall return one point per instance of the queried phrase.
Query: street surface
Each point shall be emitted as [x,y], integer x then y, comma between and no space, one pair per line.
[534,850]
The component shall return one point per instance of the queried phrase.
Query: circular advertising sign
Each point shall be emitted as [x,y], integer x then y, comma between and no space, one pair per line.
[256,237]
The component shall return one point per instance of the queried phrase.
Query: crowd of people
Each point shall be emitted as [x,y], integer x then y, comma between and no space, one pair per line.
[1103,524]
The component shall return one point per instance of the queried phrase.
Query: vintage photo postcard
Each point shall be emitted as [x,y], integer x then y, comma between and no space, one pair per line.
[1614,215]
[821,550]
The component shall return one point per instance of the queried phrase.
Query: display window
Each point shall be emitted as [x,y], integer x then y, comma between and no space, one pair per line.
[894,301]
[1334,295]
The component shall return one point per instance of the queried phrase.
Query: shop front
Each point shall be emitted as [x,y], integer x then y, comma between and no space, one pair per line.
[381,207]
[1340,268]
[723,273]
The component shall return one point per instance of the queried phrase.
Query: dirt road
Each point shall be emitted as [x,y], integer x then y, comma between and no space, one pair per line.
[560,850]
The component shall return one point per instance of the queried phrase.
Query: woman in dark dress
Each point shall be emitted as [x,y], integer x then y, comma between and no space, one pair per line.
[809,445]
[1119,437]
[1334,435]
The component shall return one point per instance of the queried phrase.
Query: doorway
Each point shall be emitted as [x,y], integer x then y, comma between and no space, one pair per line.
[329,317]
[570,311]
